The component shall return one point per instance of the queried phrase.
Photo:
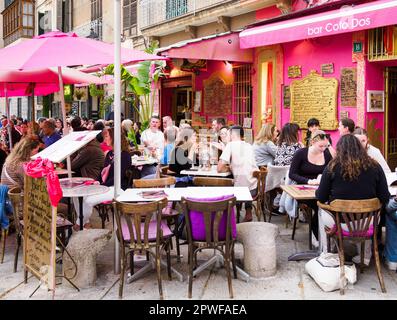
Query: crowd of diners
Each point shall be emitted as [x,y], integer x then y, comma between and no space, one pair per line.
[353,169]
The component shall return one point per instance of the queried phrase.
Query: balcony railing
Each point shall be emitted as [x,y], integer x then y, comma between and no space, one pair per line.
[154,12]
[92,29]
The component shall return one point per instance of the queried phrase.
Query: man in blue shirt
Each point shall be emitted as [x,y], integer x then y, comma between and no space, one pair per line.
[50,134]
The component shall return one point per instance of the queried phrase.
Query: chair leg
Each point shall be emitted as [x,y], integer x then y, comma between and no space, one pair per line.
[228,273]
[362,256]
[190,286]
[169,260]
[17,252]
[238,209]
[3,244]
[341,264]
[158,267]
[293,230]
[377,263]
[178,248]
[122,272]
[234,263]
[132,264]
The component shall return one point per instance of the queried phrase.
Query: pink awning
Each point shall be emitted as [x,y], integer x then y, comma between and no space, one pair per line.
[346,19]
[215,47]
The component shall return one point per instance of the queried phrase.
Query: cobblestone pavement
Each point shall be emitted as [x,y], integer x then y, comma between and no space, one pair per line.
[290,283]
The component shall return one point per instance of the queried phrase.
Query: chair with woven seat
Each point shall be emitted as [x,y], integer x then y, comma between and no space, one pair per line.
[16,196]
[260,196]
[153,234]
[169,213]
[210,224]
[212,182]
[355,220]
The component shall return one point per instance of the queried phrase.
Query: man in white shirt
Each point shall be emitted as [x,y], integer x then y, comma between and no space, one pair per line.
[239,156]
[153,138]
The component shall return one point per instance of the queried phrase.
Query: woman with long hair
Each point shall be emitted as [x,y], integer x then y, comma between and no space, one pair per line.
[59,126]
[264,147]
[13,173]
[287,144]
[106,177]
[351,175]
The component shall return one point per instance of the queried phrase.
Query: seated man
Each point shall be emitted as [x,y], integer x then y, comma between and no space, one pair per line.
[239,155]
[88,161]
[50,134]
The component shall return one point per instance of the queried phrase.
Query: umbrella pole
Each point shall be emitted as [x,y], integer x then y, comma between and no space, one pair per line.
[117,116]
[32,115]
[65,127]
[8,117]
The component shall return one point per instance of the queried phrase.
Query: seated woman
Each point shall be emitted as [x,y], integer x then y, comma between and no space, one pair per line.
[362,135]
[351,175]
[13,173]
[287,144]
[106,178]
[390,251]
[308,164]
[264,147]
[185,152]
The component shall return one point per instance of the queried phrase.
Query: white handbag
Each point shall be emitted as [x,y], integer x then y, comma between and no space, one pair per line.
[325,271]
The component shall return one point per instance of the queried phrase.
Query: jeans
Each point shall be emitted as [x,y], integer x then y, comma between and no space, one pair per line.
[390,251]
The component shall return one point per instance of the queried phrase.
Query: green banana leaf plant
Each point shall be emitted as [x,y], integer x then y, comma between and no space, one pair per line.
[143,84]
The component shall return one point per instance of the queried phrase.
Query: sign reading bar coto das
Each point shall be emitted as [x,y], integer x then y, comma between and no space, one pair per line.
[39,219]
[349,24]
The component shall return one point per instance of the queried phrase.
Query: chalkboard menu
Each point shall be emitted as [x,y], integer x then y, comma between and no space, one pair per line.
[314,97]
[217,97]
[39,231]
[348,87]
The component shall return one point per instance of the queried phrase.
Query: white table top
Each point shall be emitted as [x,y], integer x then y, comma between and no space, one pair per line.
[175,194]
[206,173]
[80,190]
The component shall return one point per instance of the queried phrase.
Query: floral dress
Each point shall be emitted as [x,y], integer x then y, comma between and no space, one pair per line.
[285,153]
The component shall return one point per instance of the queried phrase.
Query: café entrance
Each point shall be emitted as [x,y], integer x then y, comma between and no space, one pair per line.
[390,117]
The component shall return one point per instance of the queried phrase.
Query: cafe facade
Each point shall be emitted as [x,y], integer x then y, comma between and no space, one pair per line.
[329,65]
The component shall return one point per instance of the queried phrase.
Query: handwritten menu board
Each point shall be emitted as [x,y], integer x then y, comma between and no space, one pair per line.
[314,97]
[348,87]
[217,97]
[39,231]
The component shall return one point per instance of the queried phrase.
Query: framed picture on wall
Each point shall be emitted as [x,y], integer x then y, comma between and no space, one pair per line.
[375,101]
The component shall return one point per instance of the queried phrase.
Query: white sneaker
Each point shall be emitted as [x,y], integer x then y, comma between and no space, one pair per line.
[391,265]
[315,243]
[357,260]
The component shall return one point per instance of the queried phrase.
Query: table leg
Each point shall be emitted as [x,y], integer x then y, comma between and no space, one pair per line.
[81,212]
[70,216]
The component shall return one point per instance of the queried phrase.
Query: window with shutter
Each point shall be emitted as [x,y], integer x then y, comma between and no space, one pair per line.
[129,17]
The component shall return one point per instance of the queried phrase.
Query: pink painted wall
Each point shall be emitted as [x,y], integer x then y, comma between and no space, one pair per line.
[311,54]
[166,101]
[374,80]
[213,66]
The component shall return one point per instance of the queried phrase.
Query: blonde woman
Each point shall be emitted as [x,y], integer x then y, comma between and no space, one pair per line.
[264,147]
[13,174]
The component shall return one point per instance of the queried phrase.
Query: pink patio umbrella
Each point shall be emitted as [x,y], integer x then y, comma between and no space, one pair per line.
[40,82]
[58,49]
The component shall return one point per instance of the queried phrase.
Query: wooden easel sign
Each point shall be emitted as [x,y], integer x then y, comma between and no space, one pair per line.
[39,219]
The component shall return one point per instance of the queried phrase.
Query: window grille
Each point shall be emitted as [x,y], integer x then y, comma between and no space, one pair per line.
[242,93]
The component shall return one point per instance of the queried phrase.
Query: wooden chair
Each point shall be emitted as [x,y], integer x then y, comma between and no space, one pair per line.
[16,196]
[165,170]
[260,196]
[156,235]
[213,216]
[357,217]
[212,182]
[170,214]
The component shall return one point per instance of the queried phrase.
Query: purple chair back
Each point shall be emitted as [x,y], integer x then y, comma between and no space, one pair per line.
[198,221]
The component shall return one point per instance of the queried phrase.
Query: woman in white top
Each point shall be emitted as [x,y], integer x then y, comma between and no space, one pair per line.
[372,151]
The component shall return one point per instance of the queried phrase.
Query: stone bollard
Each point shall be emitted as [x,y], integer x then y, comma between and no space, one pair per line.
[84,247]
[259,242]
